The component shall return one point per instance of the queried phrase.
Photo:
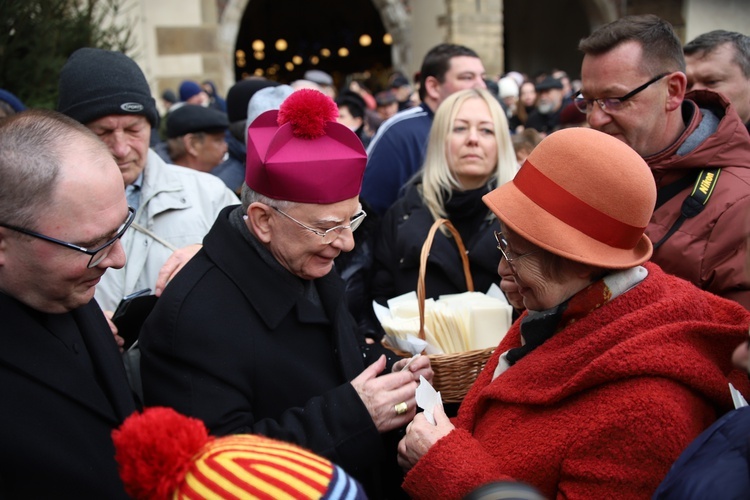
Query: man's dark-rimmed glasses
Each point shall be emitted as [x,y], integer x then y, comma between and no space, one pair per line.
[611,104]
[97,254]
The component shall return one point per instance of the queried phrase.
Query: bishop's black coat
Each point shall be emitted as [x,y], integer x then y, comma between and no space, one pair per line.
[233,344]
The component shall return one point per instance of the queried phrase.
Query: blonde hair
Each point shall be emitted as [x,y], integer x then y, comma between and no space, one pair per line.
[438,181]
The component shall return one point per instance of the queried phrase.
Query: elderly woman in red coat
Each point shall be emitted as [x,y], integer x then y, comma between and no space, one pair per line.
[614,368]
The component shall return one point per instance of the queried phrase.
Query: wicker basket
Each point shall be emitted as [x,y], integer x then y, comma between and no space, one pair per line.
[456,372]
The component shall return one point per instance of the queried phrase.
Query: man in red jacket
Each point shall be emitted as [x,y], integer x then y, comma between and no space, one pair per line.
[634,84]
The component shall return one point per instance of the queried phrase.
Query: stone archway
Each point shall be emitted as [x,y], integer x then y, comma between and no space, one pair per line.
[394,16]
[398,23]
[229,28]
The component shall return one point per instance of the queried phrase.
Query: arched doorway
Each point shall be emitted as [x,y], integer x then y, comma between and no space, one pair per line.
[545,36]
[340,39]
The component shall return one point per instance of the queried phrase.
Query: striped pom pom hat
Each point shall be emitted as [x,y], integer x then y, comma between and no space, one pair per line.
[165,455]
[583,195]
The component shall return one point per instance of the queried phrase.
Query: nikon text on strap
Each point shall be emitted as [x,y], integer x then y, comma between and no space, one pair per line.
[694,203]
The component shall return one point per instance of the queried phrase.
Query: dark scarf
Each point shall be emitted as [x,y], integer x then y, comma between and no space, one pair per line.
[306,287]
[538,327]
[467,211]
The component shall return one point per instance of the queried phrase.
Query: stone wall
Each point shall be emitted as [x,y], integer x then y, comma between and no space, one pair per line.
[195,39]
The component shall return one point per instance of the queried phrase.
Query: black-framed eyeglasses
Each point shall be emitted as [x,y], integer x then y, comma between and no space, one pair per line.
[97,254]
[502,245]
[330,235]
[611,104]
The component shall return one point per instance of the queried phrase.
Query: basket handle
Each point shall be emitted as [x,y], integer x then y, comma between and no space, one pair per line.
[421,292]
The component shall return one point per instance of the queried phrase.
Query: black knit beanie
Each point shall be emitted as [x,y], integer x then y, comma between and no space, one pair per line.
[96,83]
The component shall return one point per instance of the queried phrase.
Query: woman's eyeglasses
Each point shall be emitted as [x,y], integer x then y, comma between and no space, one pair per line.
[502,245]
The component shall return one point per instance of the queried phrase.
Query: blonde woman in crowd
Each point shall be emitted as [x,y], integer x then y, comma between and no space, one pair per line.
[469,153]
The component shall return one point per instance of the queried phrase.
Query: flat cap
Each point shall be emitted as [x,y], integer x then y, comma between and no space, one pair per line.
[191,118]
[319,77]
[399,81]
[385,97]
[549,83]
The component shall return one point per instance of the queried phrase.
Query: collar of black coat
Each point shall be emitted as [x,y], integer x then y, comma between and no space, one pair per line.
[243,262]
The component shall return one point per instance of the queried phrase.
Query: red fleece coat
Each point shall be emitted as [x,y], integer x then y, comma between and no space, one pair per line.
[601,409]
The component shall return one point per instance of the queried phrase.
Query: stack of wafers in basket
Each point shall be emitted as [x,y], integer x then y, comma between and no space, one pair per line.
[459,332]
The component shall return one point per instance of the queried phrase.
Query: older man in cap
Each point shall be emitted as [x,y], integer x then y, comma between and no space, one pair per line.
[175,206]
[195,137]
[551,100]
[254,335]
[323,80]
[64,389]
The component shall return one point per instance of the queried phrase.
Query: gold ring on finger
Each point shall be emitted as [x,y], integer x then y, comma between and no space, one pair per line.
[401,408]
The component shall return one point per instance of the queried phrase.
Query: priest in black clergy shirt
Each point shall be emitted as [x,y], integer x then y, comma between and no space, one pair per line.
[62,382]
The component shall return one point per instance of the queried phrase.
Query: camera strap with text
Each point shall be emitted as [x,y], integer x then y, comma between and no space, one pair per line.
[695,201]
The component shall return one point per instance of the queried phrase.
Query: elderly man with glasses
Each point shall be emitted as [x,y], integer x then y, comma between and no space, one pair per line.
[64,389]
[254,335]
[696,145]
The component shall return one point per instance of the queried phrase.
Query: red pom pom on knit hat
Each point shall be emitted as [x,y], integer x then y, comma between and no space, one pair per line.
[308,111]
[155,450]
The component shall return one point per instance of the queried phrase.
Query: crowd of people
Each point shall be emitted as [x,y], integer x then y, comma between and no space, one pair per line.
[611,210]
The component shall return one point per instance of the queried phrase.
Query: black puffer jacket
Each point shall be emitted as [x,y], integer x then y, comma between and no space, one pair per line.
[405,227]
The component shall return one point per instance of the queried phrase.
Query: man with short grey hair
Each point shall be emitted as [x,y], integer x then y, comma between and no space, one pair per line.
[64,389]
[720,61]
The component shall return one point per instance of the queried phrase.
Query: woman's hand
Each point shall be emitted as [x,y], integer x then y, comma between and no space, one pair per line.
[419,365]
[421,435]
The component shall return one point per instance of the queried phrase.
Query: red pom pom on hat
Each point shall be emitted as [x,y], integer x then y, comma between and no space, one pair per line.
[155,450]
[308,111]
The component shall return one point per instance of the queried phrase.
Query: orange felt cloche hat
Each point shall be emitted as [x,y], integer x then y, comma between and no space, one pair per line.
[583,195]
